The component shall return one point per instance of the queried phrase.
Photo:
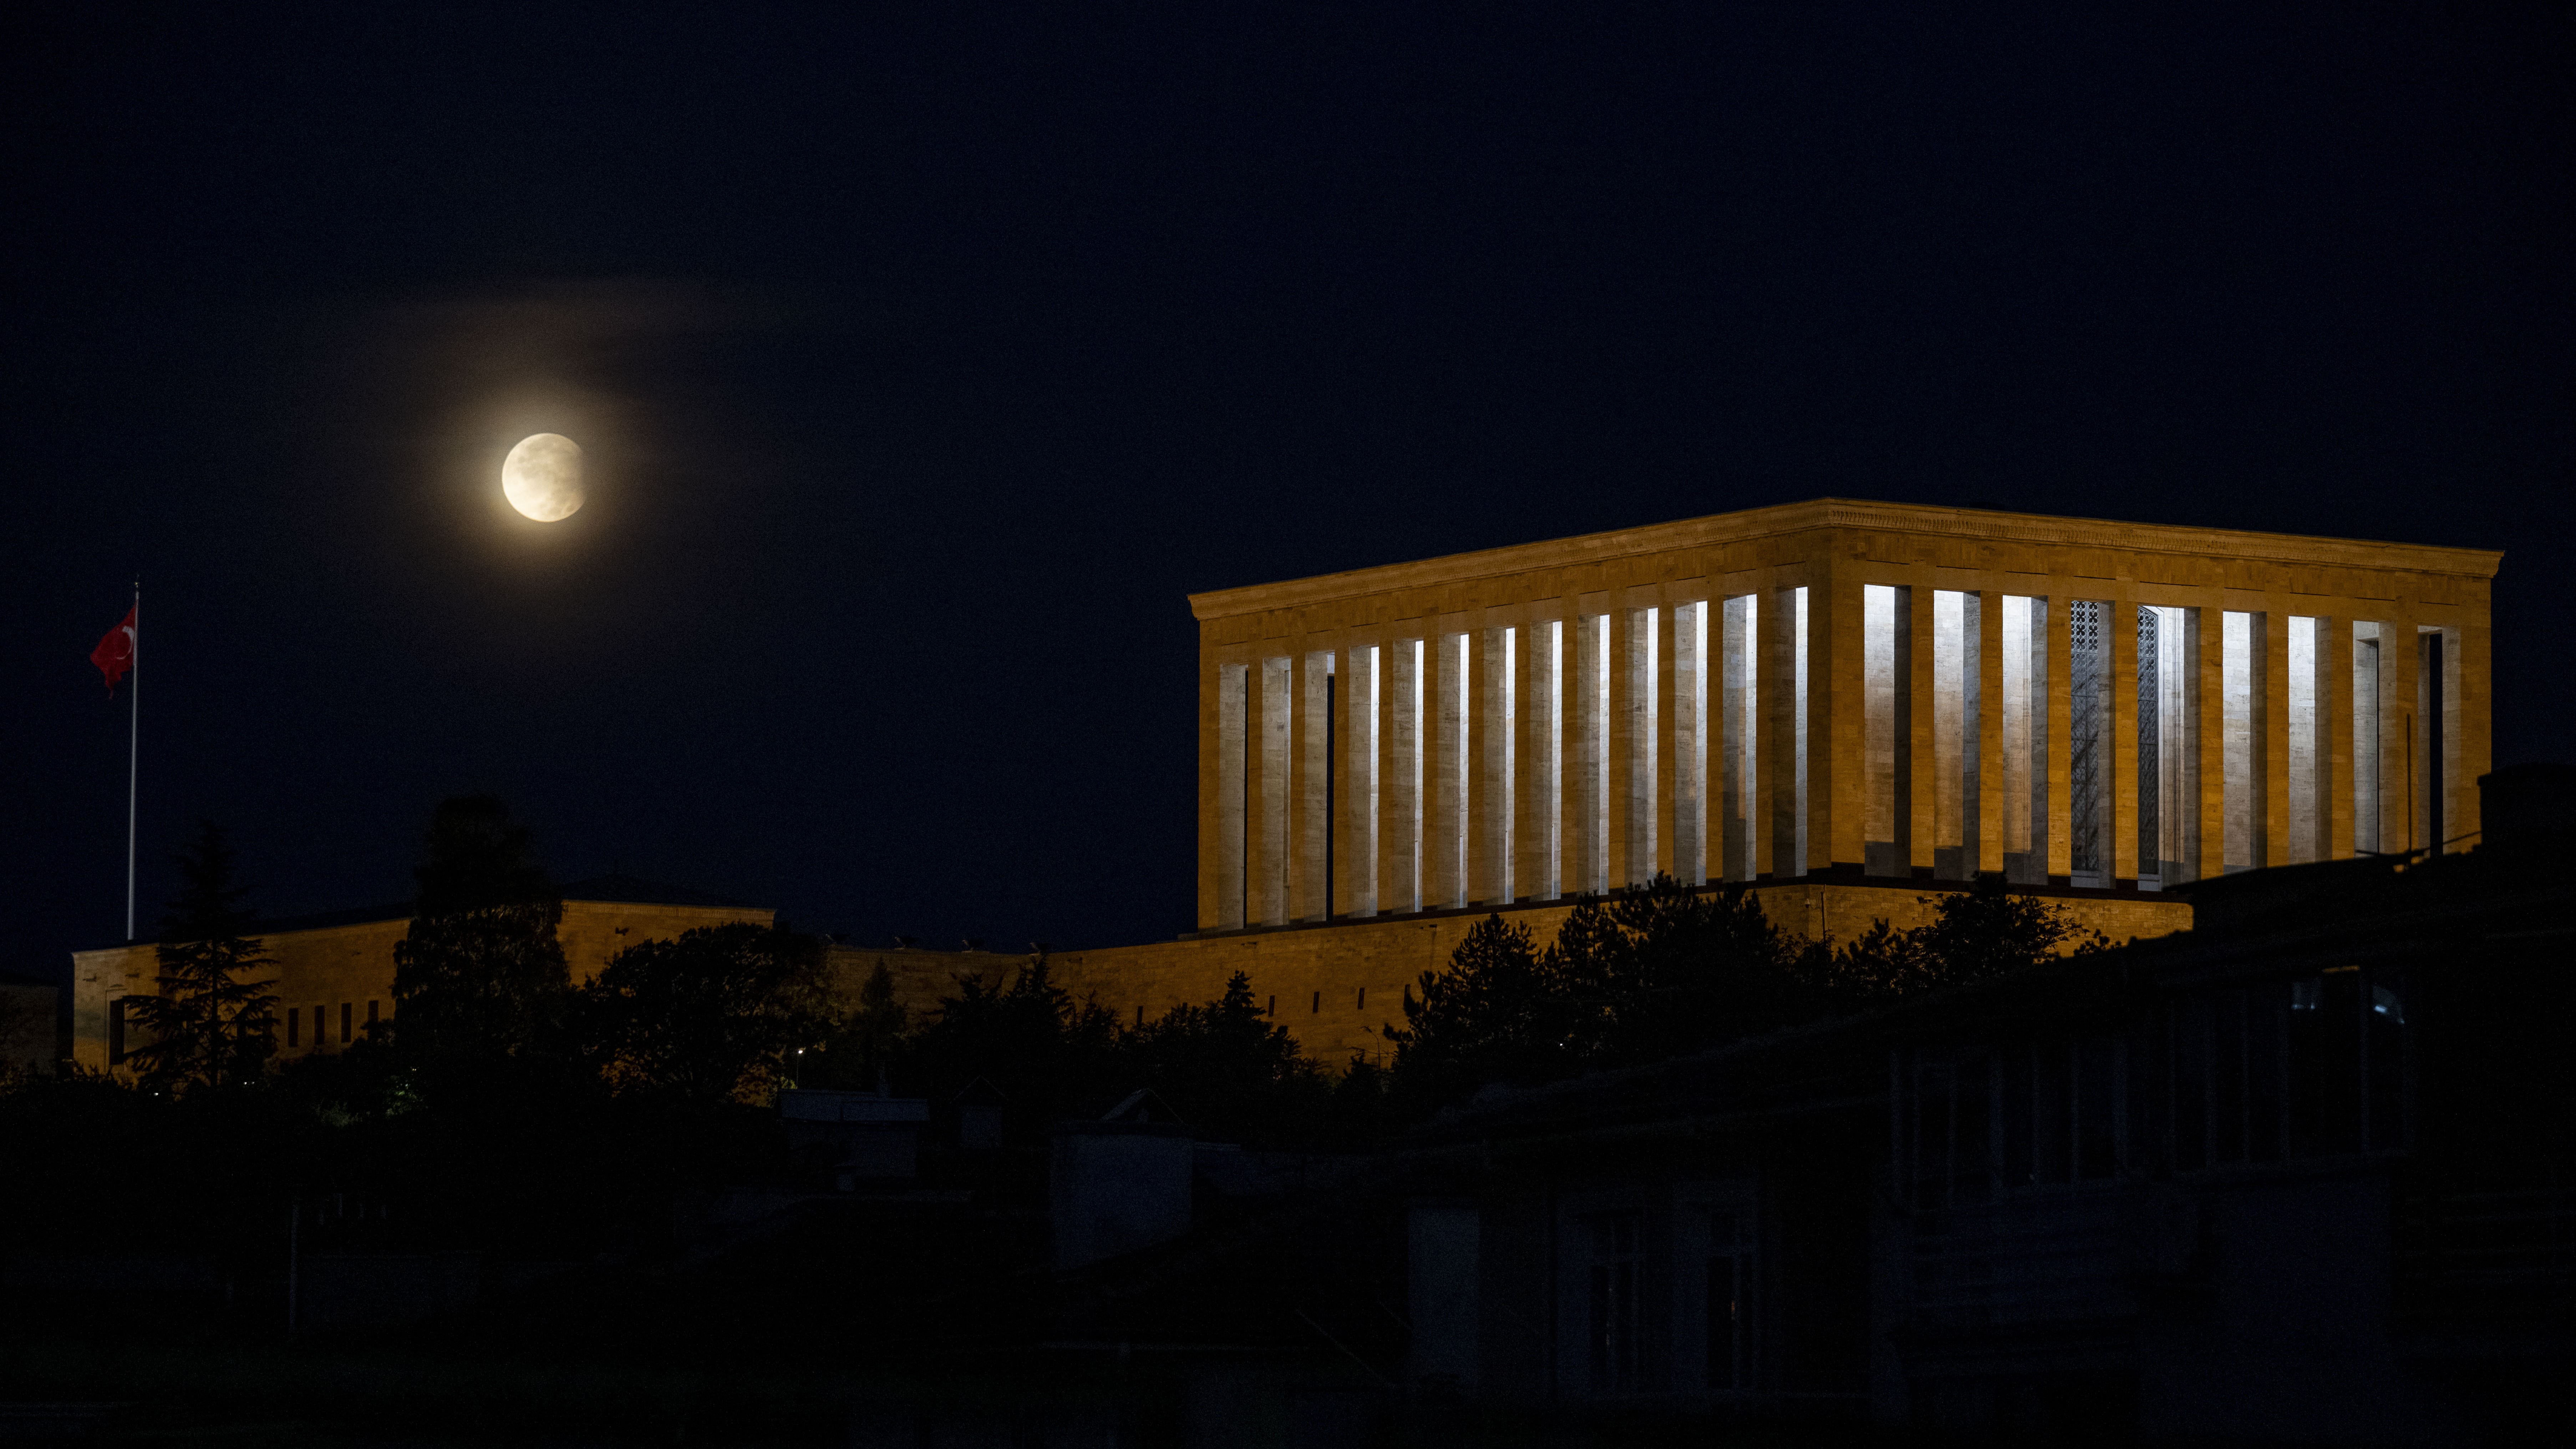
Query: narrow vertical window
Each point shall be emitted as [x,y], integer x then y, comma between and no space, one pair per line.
[1612,1302]
[1366,685]
[295,1027]
[1413,786]
[1502,777]
[2365,738]
[2088,762]
[1231,783]
[1798,729]
[1728,1340]
[1328,846]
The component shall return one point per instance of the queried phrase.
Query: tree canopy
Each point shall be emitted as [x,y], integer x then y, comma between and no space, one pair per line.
[480,972]
[710,1017]
[209,1025]
[1665,969]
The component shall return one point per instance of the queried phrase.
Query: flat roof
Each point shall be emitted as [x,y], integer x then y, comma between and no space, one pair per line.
[616,890]
[1823,513]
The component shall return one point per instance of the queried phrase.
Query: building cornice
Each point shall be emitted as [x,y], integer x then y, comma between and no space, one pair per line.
[1852,514]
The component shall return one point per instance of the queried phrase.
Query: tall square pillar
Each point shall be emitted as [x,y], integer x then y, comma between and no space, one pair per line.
[1837,734]
[1266,843]
[2061,736]
[1491,725]
[1403,730]
[1310,788]
[1989,734]
[1359,682]
[1919,758]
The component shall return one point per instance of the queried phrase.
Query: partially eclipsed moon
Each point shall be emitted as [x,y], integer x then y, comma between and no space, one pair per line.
[542,477]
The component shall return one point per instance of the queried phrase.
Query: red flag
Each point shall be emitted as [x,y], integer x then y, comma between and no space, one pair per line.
[115,653]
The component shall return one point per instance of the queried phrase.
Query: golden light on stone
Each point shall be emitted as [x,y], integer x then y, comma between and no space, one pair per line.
[542,477]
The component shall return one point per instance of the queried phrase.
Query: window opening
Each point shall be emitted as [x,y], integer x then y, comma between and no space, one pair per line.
[1613,1302]
[2365,738]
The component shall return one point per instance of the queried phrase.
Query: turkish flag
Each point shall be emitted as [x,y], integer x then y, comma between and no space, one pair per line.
[115,653]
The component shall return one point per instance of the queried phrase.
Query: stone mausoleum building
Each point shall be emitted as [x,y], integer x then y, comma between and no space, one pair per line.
[1845,705]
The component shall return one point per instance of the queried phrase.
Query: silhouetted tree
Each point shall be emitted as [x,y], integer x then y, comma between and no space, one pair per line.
[208,1026]
[1502,1011]
[1048,1053]
[480,973]
[1975,934]
[863,1050]
[1227,1068]
[710,1017]
[1685,969]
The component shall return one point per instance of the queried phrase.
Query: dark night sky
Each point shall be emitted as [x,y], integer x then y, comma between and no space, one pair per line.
[924,369]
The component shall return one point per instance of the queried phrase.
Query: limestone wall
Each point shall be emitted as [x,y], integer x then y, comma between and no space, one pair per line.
[352,966]
[1335,986]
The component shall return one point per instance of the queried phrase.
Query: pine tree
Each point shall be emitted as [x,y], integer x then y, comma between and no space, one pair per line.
[208,1026]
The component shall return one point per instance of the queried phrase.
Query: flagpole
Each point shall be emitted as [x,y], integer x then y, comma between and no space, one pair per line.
[133,752]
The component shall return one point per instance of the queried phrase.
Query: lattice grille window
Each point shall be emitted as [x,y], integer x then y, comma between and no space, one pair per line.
[2089,708]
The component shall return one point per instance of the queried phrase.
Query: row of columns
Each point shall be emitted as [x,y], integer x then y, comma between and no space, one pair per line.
[1575,745]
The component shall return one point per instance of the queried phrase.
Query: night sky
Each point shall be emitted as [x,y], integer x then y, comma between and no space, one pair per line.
[923,370]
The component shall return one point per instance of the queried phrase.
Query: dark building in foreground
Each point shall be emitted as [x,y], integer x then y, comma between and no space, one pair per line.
[2304,1173]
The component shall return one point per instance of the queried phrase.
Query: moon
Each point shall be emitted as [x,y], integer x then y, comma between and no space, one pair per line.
[542,477]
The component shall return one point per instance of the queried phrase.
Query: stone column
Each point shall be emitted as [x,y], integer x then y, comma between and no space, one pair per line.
[1537,842]
[2472,721]
[1310,814]
[2205,846]
[1443,832]
[2398,653]
[1919,757]
[2061,738]
[1837,736]
[1990,732]
[1587,851]
[1401,731]
[1266,841]
[1222,698]
[1669,719]
[1355,776]
[1490,795]
[2276,737]
[1775,755]
[1632,744]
